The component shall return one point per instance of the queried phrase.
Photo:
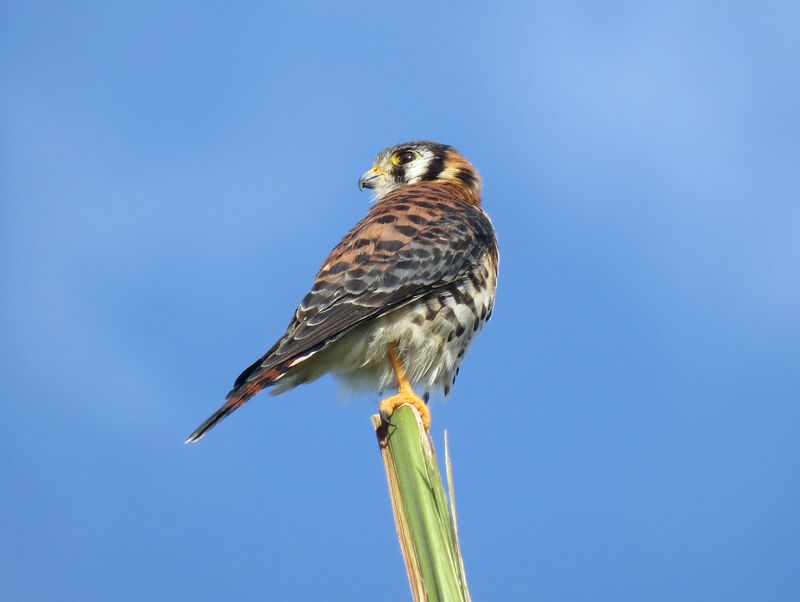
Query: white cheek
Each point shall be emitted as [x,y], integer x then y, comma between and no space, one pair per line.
[416,169]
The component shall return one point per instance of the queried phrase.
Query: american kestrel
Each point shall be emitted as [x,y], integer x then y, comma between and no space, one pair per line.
[399,300]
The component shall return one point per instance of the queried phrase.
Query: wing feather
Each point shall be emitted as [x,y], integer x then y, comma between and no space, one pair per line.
[412,242]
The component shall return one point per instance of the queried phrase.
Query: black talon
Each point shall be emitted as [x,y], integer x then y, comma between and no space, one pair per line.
[385,419]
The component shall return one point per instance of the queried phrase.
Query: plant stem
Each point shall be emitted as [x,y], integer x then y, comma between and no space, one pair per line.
[425,524]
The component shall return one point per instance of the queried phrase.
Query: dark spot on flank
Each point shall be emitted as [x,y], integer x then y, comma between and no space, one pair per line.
[417,219]
[463,299]
[451,336]
[386,219]
[361,242]
[400,207]
[460,330]
[362,258]
[425,204]
[418,320]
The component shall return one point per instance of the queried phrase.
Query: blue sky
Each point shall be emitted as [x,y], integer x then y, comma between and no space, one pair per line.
[172,175]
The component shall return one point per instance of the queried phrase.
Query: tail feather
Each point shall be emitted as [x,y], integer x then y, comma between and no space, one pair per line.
[227,408]
[237,398]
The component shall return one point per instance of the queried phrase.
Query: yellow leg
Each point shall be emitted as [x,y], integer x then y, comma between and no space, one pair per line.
[405,394]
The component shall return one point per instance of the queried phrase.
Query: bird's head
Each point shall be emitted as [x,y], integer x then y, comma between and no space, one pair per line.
[421,161]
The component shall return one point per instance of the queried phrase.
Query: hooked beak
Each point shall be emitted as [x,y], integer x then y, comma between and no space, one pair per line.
[369,179]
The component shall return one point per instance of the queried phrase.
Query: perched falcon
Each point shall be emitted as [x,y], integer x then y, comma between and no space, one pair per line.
[398,301]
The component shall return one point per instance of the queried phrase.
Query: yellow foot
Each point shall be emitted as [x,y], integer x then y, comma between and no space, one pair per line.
[388,406]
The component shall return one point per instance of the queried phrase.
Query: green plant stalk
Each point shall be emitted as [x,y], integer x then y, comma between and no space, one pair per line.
[425,525]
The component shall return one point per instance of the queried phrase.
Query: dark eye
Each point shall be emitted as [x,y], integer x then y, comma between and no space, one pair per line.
[404,157]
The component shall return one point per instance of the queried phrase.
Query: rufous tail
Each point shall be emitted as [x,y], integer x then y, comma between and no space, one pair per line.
[237,398]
